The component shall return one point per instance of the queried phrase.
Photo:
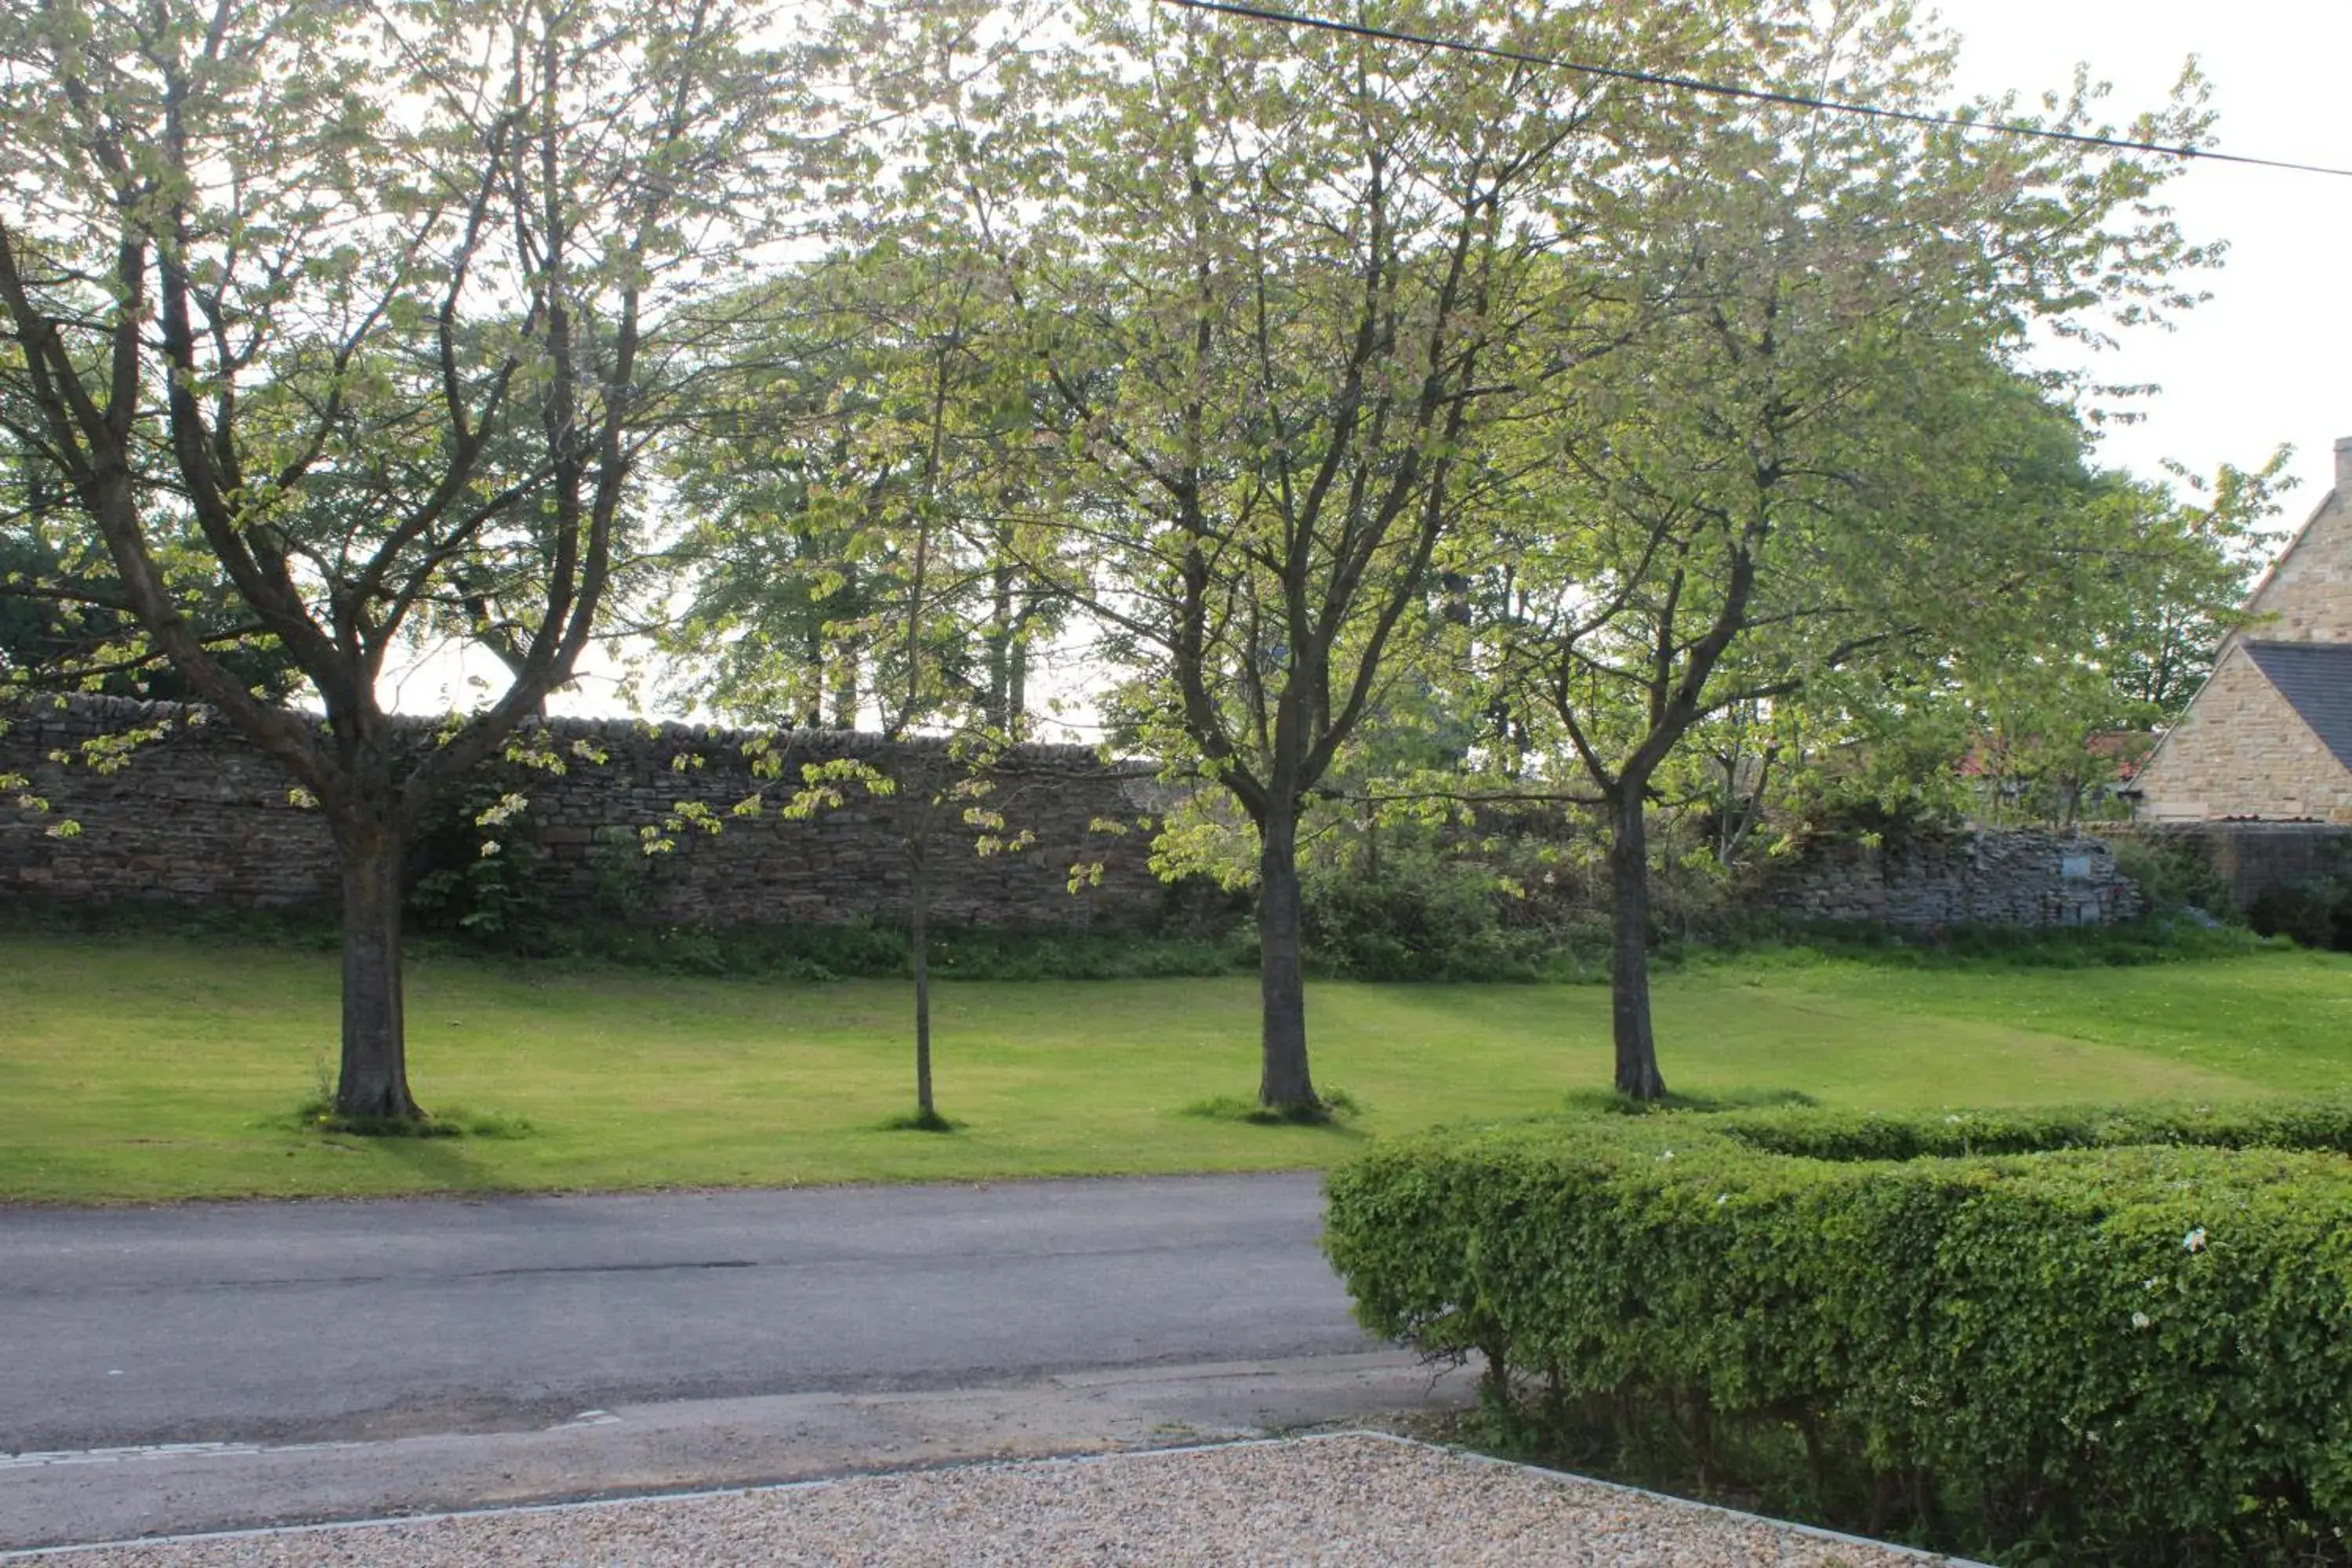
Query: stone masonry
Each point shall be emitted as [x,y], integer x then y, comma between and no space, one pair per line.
[1988,877]
[2308,595]
[2242,751]
[202,817]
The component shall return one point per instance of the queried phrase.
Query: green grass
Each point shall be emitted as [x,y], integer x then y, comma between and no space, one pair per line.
[161,1069]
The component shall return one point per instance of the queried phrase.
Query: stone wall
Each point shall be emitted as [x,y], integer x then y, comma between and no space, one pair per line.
[1990,877]
[2242,751]
[201,816]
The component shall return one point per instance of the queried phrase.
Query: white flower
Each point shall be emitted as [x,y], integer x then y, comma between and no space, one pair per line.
[1667,1155]
[1721,1199]
[2194,1241]
[2141,1321]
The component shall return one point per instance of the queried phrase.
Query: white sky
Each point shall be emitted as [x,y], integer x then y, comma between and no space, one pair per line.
[2266,362]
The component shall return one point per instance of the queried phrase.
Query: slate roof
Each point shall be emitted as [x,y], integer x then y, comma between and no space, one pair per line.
[2315,678]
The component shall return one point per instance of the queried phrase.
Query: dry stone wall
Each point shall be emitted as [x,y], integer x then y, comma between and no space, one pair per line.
[202,817]
[1989,876]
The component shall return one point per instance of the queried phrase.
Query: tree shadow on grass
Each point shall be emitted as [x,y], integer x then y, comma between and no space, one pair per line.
[443,1165]
[1335,1115]
[437,1153]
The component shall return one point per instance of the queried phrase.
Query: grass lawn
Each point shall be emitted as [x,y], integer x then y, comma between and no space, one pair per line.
[158,1069]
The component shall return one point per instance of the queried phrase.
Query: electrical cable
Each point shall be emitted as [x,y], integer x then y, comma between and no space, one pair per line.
[1752,94]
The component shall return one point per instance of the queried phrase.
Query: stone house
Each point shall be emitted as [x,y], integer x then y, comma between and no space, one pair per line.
[2269,737]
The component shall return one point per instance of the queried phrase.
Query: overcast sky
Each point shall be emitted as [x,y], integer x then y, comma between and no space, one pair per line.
[2266,362]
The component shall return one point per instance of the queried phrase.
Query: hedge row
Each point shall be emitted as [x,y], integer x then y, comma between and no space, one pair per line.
[2135,1350]
[1824,1134]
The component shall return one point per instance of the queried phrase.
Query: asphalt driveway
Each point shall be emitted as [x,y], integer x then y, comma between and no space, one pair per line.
[277,1321]
[211,1365]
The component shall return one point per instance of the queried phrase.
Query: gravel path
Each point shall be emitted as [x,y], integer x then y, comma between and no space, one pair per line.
[1352,1499]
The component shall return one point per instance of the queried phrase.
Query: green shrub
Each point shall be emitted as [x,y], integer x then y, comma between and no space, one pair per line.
[1982,950]
[2313,913]
[481,878]
[2107,1350]
[877,950]
[1421,915]
[1820,1134]
[2172,875]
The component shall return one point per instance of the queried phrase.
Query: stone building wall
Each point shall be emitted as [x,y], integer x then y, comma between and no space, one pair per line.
[1989,876]
[2242,751]
[202,817]
[2307,596]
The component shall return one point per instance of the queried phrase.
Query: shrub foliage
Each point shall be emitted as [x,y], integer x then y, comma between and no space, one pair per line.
[2092,1336]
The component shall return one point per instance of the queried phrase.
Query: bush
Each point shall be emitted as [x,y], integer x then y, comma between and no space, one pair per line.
[1982,950]
[2172,875]
[1427,912]
[877,950]
[2105,1349]
[481,878]
[2313,913]
[1418,917]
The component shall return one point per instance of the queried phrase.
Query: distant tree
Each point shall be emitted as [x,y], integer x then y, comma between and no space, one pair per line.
[2037,721]
[794,575]
[2185,567]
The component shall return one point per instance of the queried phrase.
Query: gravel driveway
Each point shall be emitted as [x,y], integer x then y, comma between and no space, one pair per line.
[1352,1499]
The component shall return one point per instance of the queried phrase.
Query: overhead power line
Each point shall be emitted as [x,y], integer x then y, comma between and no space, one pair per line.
[1753,94]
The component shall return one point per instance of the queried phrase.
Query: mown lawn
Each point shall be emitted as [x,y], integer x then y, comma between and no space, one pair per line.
[161,1069]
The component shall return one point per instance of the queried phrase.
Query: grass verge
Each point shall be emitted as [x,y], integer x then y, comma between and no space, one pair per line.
[149,1069]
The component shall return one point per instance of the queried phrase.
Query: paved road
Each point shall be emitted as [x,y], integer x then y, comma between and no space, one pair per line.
[342,1321]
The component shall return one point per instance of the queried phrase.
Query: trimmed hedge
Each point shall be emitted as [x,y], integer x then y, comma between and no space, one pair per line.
[2136,1343]
[1823,1134]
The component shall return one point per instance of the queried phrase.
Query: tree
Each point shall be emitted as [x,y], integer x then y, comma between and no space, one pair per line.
[1811,450]
[385,301]
[1266,277]
[2196,546]
[2143,582]
[856,489]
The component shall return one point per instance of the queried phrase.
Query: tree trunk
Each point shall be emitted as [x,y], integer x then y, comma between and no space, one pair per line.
[1628,959]
[845,687]
[1000,651]
[373,1084]
[1017,693]
[1283,1085]
[918,940]
[812,715]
